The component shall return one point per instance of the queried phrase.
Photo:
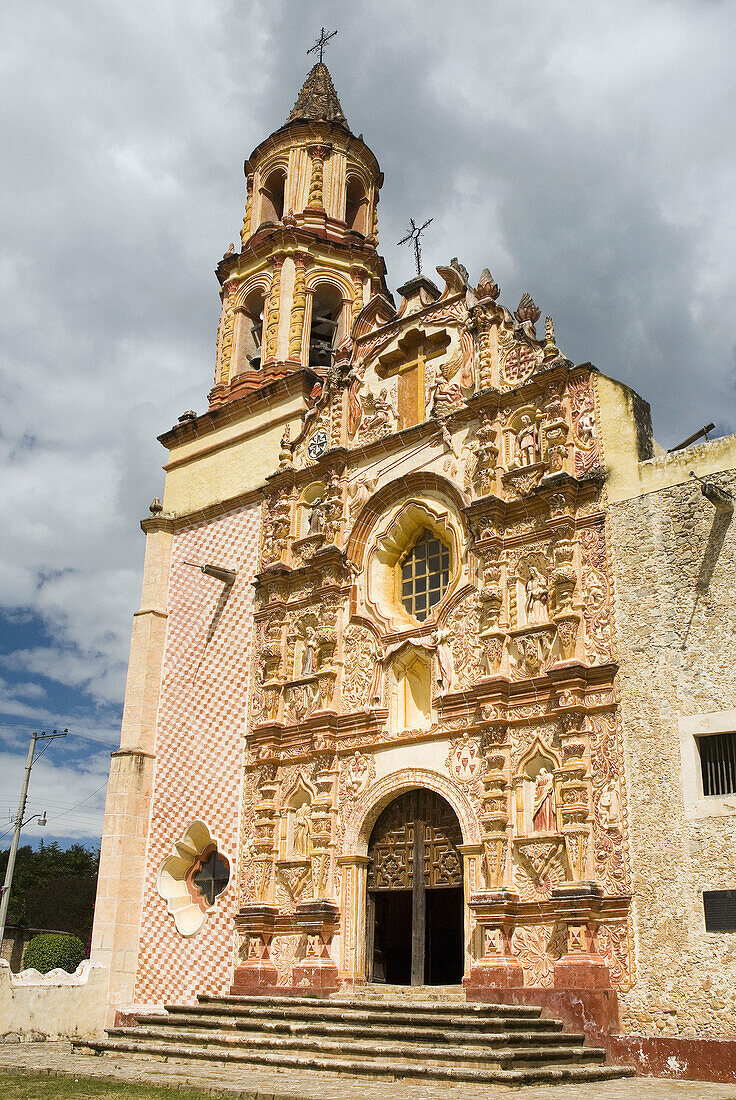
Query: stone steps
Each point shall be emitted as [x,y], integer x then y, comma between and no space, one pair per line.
[508,1031]
[502,1054]
[387,1036]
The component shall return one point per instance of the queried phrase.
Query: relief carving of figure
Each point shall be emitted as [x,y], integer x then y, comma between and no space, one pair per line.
[446,395]
[527,442]
[309,653]
[357,775]
[359,491]
[537,596]
[300,841]
[445,665]
[381,413]
[316,514]
[609,806]
[544,819]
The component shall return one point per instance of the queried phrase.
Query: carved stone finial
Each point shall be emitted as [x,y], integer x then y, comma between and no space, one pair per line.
[487,286]
[527,309]
[454,262]
[318,99]
[551,351]
[229,251]
[155,507]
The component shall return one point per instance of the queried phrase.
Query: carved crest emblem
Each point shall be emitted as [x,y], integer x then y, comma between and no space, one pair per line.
[464,762]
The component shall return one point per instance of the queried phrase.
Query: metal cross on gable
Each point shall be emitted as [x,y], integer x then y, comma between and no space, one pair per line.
[413,235]
[321,43]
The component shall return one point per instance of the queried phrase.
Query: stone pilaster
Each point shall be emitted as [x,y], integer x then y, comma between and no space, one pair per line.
[127,808]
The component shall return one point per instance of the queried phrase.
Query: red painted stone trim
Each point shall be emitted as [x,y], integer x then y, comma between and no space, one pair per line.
[677,1057]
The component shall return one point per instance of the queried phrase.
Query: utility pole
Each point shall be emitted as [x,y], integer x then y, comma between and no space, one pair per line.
[19,823]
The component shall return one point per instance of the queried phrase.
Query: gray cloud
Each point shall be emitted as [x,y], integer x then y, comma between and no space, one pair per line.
[580,152]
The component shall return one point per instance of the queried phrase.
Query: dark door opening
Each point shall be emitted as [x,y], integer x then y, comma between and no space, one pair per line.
[392,945]
[443,957]
[415,912]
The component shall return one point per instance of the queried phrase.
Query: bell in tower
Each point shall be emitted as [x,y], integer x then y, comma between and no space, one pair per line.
[308,260]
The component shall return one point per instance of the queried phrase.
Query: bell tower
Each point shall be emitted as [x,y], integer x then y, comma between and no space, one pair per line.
[308,261]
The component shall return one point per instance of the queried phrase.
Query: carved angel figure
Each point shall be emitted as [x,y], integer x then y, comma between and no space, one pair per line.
[380,412]
[445,394]
[359,491]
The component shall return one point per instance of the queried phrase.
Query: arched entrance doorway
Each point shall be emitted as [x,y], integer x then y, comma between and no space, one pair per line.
[415,912]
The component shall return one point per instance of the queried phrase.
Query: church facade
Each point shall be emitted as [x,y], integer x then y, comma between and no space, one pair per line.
[426,650]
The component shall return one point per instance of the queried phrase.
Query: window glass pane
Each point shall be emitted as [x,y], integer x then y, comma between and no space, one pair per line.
[425,575]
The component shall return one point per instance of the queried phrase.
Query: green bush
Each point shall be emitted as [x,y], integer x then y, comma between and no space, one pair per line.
[49,951]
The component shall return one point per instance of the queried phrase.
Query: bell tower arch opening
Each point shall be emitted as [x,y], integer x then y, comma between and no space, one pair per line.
[273,191]
[415,903]
[356,206]
[325,330]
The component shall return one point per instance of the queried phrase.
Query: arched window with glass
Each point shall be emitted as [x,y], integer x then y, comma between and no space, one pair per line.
[425,575]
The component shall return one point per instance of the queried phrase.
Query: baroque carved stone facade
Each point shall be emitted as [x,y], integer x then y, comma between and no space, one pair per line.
[372,440]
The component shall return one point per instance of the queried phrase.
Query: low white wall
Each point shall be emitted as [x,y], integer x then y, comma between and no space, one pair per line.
[56,1005]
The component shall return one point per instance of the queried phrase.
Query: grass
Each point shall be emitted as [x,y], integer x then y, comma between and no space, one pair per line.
[45,1086]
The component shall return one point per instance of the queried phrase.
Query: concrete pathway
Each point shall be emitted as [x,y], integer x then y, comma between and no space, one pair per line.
[254,1084]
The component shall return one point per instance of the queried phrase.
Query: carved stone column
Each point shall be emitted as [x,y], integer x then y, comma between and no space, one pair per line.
[298,306]
[495,816]
[352,950]
[273,312]
[318,154]
[264,842]
[322,832]
[357,274]
[227,330]
[574,781]
[245,230]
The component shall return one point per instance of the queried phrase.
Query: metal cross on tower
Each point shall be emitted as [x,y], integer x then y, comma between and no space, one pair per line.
[413,236]
[321,43]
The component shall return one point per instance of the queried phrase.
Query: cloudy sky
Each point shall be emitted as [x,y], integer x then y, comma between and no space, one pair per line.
[580,151]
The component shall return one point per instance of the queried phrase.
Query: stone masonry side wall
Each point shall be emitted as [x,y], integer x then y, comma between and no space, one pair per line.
[201,727]
[676,632]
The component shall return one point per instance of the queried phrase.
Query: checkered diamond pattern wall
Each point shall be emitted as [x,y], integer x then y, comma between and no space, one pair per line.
[199,745]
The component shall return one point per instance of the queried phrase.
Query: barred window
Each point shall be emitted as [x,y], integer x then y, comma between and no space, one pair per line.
[425,575]
[718,763]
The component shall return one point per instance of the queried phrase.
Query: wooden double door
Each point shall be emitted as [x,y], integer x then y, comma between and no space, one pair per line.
[415,916]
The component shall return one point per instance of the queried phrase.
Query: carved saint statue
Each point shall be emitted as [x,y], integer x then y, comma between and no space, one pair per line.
[316,512]
[537,596]
[544,819]
[526,442]
[309,653]
[445,666]
[300,840]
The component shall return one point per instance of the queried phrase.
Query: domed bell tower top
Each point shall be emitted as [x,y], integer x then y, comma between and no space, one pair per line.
[308,261]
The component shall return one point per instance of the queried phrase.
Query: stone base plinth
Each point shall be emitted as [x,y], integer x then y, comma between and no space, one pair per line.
[505,974]
[254,979]
[592,1011]
[586,972]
